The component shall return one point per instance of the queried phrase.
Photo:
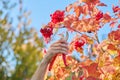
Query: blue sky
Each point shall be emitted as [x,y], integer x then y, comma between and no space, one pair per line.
[41,9]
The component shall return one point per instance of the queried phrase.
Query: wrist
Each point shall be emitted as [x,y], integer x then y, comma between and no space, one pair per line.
[47,58]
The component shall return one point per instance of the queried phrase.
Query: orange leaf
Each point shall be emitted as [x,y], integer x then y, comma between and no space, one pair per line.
[78,11]
[60,72]
[107,17]
[86,63]
[92,70]
[117,59]
[68,8]
[85,10]
[68,20]
[109,69]
[87,39]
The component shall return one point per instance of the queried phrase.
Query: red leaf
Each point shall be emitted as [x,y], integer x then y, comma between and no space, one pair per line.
[115,9]
[102,4]
[111,47]
[119,26]
[112,24]
[99,15]
[115,35]
[64,59]
[91,1]
[52,62]
[78,44]
[82,78]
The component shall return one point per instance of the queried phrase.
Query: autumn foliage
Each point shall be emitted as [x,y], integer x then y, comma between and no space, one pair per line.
[99,59]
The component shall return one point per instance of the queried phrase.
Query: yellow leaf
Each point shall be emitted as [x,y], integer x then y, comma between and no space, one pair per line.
[113,52]
[78,11]
[4,21]
[80,50]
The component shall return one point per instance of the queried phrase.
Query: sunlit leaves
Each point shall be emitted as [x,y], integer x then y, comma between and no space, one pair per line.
[98,59]
[68,8]
[107,17]
[78,10]
[102,4]
[114,36]
[90,1]
[113,24]
[92,70]
[119,26]
[116,76]
[99,15]
[4,21]
[116,9]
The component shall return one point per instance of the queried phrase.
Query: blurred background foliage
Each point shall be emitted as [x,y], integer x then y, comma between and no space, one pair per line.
[20,45]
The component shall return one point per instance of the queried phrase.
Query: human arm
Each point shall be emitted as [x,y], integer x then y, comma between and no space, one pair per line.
[59,47]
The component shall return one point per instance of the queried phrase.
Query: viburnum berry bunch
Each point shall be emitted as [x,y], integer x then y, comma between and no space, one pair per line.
[57,17]
[99,59]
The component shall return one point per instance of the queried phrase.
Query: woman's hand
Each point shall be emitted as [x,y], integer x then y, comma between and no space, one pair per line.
[59,47]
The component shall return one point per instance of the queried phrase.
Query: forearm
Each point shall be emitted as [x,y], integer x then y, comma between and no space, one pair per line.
[56,48]
[41,70]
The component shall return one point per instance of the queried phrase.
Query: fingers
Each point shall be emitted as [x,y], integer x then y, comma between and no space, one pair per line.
[64,45]
[59,50]
[58,47]
[60,43]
